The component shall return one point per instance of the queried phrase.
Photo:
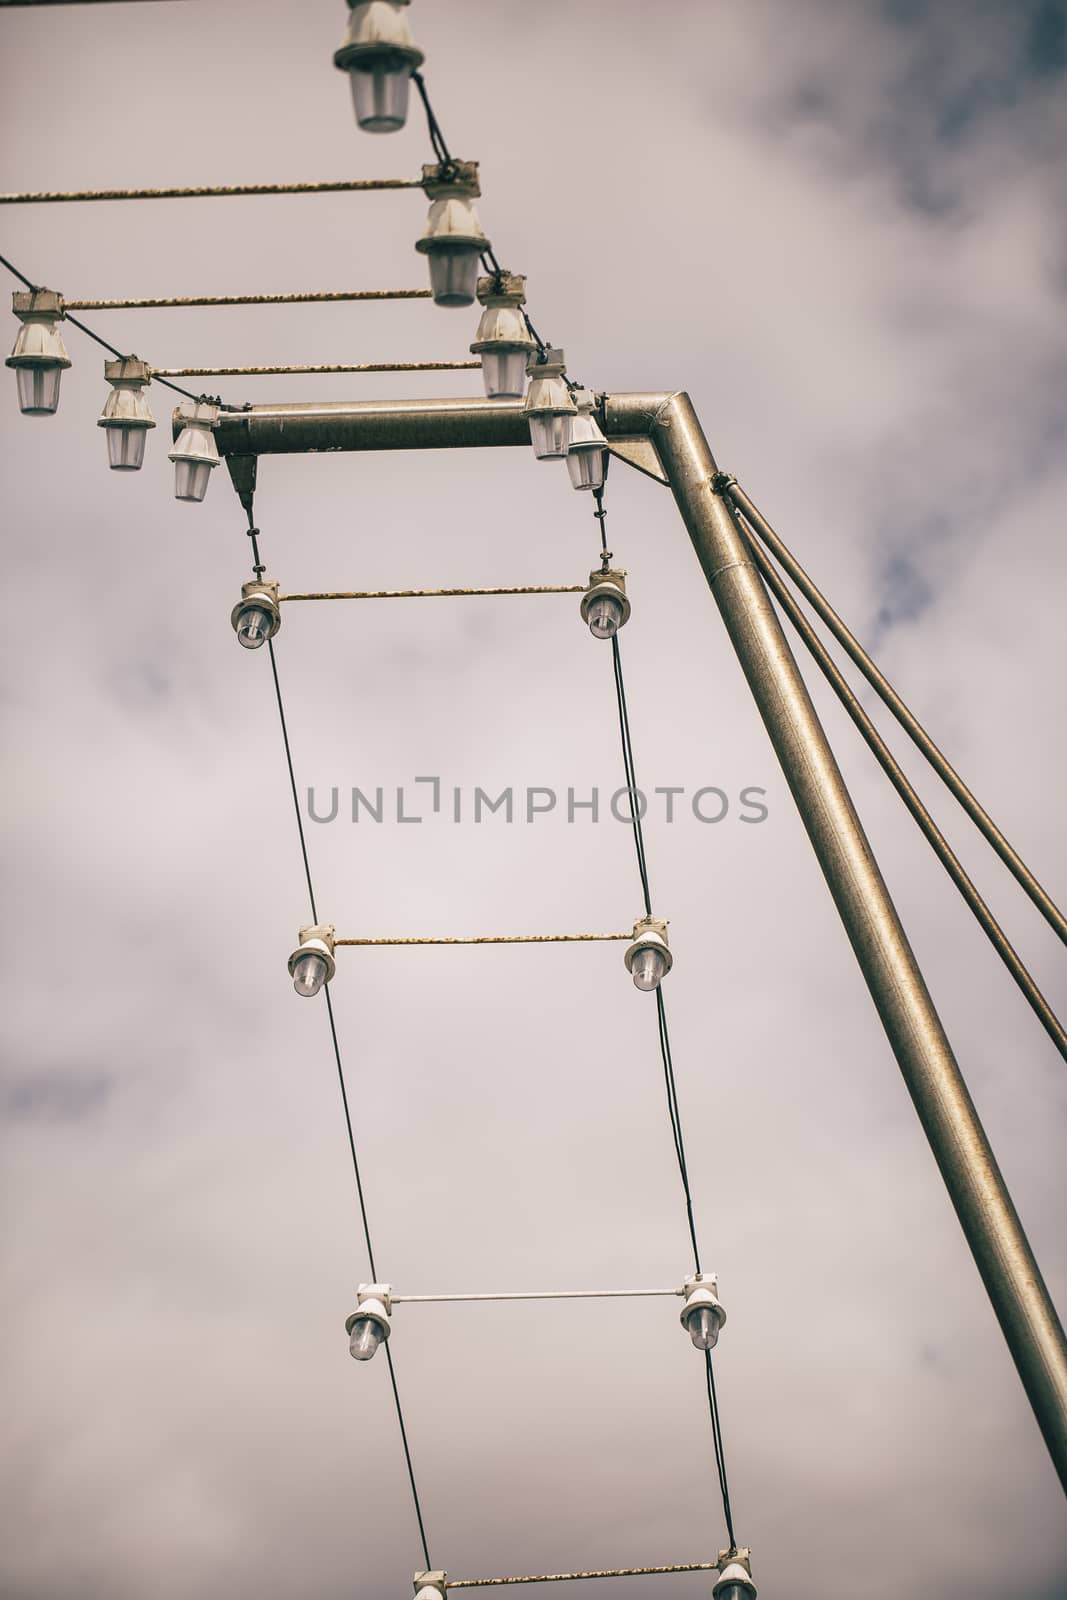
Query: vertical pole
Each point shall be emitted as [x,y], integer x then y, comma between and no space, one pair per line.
[935,1083]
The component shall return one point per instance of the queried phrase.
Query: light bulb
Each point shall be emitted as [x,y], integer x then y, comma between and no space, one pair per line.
[648,968]
[125,448]
[703,1324]
[733,1591]
[255,625]
[605,616]
[366,1337]
[309,975]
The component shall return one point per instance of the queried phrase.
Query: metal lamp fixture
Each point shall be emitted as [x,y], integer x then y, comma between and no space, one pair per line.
[702,1315]
[369,1324]
[587,450]
[549,406]
[195,453]
[649,959]
[503,340]
[735,1576]
[257,616]
[453,238]
[605,604]
[379,56]
[126,414]
[312,963]
[40,355]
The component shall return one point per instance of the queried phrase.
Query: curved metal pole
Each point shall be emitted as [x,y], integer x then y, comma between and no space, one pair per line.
[911,725]
[975,1185]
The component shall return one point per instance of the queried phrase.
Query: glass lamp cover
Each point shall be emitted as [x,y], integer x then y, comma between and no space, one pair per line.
[504,373]
[38,390]
[605,618]
[309,973]
[586,466]
[254,627]
[125,448]
[380,85]
[550,437]
[366,1337]
[733,1591]
[191,479]
[647,968]
[454,273]
[703,1325]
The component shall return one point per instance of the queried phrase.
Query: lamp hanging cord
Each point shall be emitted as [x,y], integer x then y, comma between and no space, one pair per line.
[669,1078]
[253,534]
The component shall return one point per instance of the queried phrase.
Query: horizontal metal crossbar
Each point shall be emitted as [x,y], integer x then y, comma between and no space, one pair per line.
[224,191]
[538,1294]
[575,1577]
[425,594]
[497,938]
[310,297]
[362,366]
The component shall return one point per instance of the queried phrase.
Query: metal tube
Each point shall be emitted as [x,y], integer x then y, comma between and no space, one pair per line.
[898,778]
[405,424]
[911,725]
[931,1073]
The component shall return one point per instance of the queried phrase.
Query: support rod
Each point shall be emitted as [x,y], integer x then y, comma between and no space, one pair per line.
[898,778]
[911,725]
[933,1078]
[536,1294]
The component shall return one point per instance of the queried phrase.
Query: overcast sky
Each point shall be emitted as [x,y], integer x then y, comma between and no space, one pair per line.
[841,227]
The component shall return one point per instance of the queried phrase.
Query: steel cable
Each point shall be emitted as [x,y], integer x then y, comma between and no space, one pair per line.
[908,721]
[670,1080]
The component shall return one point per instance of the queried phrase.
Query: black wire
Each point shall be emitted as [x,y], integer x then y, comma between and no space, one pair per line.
[443,154]
[437,138]
[122,356]
[670,1081]
[253,535]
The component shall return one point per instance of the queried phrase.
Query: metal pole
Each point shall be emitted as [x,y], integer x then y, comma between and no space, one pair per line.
[975,1185]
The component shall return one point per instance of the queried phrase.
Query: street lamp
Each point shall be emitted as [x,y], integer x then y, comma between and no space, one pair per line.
[196,452]
[605,605]
[379,56]
[735,1576]
[311,963]
[257,616]
[649,959]
[126,414]
[549,406]
[702,1315]
[40,355]
[453,238]
[369,1324]
[503,340]
[587,452]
